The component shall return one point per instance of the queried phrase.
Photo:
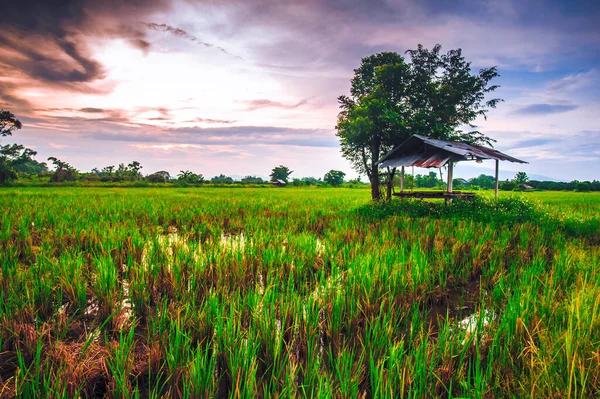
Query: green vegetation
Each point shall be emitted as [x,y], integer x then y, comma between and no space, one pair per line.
[281,173]
[334,178]
[390,100]
[300,292]
[14,157]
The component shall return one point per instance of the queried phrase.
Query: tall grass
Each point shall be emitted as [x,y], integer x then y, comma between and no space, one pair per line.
[296,293]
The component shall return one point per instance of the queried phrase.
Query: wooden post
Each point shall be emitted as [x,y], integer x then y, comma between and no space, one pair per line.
[496,186]
[450,175]
[402,179]
[449,185]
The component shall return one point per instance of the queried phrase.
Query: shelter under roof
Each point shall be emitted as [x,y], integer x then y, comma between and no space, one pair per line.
[425,152]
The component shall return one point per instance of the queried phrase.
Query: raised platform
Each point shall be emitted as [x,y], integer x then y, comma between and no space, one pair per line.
[433,194]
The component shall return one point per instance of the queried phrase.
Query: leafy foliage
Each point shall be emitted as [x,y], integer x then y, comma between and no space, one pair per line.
[521,178]
[252,180]
[505,210]
[189,177]
[334,178]
[281,173]
[12,156]
[391,100]
[221,179]
[63,171]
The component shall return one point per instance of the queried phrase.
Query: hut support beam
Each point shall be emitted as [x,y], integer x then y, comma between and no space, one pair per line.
[450,175]
[496,183]
[402,179]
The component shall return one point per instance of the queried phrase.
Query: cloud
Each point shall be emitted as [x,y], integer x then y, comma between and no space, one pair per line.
[234,135]
[573,147]
[545,109]
[8,98]
[45,42]
[208,120]
[182,34]
[551,154]
[253,105]
[575,81]
[141,44]
[534,142]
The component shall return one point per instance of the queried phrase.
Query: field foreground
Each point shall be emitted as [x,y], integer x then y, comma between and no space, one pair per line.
[296,293]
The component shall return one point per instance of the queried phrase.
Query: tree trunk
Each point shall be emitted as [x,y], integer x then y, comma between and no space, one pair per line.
[374,178]
[390,183]
[375,146]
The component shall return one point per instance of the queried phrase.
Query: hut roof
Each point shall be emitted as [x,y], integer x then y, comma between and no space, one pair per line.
[426,152]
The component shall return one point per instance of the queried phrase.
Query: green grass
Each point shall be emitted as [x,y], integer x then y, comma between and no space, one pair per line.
[297,292]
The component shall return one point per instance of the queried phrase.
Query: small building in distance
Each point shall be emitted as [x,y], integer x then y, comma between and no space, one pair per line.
[278,183]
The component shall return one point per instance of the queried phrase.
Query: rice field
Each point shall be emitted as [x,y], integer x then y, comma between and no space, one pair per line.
[294,293]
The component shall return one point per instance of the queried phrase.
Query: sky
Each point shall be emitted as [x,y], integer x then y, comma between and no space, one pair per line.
[238,87]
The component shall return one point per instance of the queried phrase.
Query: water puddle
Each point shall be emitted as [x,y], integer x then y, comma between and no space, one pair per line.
[460,305]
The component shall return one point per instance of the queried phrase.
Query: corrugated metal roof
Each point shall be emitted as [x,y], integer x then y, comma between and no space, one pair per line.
[435,160]
[427,152]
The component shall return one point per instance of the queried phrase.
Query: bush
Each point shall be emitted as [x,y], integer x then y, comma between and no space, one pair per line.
[63,175]
[508,185]
[156,178]
[505,210]
[582,186]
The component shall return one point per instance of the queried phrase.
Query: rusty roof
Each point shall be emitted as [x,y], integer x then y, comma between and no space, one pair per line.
[426,152]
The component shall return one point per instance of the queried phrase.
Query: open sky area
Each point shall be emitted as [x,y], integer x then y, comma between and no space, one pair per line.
[238,87]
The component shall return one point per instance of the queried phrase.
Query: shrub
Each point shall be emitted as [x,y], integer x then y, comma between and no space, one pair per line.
[508,185]
[505,210]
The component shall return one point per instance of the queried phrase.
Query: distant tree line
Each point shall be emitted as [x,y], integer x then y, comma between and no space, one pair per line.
[573,185]
[16,162]
[520,182]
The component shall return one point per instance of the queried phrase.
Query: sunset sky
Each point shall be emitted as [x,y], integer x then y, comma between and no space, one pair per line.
[238,87]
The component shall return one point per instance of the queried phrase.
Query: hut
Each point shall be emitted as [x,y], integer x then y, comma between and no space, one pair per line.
[278,183]
[427,152]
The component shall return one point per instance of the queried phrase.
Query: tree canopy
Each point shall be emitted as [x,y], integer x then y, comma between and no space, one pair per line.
[390,100]
[281,173]
[187,176]
[334,178]
[12,156]
[63,171]
[521,178]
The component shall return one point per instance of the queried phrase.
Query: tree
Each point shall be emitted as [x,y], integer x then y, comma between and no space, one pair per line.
[507,185]
[190,177]
[164,173]
[521,178]
[221,179]
[311,181]
[281,173]
[252,180]
[12,156]
[483,181]
[162,176]
[32,167]
[133,170]
[121,172]
[334,178]
[390,100]
[62,171]
[371,120]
